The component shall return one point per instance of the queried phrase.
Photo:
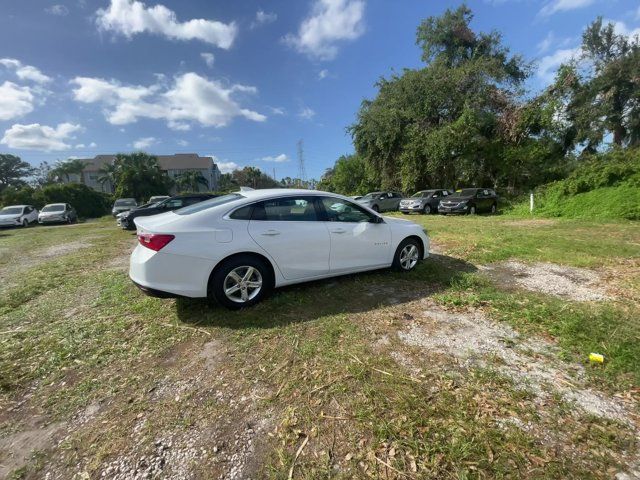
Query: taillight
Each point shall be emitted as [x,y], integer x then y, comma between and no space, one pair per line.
[154,241]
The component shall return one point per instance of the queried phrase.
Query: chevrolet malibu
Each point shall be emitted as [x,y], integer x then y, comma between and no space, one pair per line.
[236,248]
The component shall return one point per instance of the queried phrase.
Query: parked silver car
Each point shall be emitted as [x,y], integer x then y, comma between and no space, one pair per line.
[18,216]
[382,201]
[57,213]
[123,205]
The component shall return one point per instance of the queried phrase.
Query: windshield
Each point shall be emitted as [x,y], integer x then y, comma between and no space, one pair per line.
[465,192]
[11,211]
[214,202]
[125,202]
[53,208]
[422,193]
[371,196]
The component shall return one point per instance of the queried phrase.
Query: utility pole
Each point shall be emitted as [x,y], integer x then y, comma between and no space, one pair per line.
[302,173]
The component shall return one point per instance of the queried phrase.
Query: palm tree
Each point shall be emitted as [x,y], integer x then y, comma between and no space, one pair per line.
[138,175]
[108,175]
[191,181]
[66,168]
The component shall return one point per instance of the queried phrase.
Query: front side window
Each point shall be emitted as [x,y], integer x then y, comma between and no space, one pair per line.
[290,209]
[339,210]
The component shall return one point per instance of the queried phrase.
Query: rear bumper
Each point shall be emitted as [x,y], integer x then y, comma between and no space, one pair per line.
[152,292]
[169,274]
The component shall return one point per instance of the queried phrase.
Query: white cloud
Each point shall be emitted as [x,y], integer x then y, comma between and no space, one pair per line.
[25,72]
[263,18]
[307,113]
[40,137]
[59,10]
[225,167]
[191,98]
[549,64]
[276,159]
[278,110]
[208,58]
[555,6]
[15,101]
[551,40]
[93,145]
[323,74]
[330,22]
[621,28]
[183,143]
[131,17]
[144,142]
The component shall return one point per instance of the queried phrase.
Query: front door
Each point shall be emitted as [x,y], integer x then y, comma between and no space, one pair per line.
[290,231]
[356,242]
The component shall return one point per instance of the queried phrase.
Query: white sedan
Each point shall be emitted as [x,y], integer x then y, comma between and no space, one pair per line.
[238,247]
[18,216]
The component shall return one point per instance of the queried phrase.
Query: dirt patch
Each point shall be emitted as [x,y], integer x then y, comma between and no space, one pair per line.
[17,448]
[64,249]
[533,364]
[572,283]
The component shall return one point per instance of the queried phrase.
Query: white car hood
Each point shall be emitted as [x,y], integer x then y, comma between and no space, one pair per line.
[400,221]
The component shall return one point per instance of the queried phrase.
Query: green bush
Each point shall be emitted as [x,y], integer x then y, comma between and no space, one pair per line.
[22,196]
[607,185]
[87,202]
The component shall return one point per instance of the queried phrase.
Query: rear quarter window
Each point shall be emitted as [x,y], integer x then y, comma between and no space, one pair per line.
[242,213]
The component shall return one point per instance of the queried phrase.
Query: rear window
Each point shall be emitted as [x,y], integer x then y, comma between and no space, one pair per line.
[205,205]
[125,202]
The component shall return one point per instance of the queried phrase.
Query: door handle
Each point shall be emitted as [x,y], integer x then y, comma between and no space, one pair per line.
[338,230]
[270,233]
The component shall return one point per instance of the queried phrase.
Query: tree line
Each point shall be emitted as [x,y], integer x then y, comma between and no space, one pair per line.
[466,119]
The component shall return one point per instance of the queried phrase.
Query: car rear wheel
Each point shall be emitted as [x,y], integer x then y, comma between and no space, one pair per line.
[407,255]
[240,282]
[427,209]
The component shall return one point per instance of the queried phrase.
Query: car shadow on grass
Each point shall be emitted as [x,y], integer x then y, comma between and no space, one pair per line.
[356,293]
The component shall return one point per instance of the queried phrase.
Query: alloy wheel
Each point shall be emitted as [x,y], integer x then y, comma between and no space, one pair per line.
[427,209]
[242,284]
[472,210]
[409,257]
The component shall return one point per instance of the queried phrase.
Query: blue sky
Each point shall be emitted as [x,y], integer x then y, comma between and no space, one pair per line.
[242,81]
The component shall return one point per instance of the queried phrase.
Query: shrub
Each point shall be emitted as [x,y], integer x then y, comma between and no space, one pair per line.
[606,185]
[87,202]
[22,196]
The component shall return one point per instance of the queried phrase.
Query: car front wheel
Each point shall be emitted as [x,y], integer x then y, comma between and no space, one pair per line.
[240,282]
[427,209]
[375,208]
[472,210]
[407,255]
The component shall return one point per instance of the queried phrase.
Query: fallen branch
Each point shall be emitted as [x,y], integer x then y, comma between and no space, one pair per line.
[300,448]
[391,468]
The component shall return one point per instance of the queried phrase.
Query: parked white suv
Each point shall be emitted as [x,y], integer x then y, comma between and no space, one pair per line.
[237,247]
[18,216]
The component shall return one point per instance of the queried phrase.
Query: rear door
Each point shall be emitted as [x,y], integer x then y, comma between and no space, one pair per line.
[289,229]
[356,242]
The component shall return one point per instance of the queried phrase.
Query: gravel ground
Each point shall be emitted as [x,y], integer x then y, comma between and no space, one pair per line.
[566,282]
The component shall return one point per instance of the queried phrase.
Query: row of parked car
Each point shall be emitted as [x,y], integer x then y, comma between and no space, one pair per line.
[125,210]
[464,201]
[25,215]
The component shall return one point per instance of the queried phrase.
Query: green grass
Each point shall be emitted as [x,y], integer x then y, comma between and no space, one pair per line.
[74,330]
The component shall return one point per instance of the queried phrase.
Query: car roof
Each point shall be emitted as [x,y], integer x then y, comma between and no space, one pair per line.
[14,206]
[51,204]
[276,192]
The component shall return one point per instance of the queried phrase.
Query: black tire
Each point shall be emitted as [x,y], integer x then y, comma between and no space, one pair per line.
[398,263]
[375,208]
[405,213]
[494,209]
[472,210]
[216,290]
[427,209]
[25,223]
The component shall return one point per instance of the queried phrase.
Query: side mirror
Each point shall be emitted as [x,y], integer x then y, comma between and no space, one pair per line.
[377,219]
